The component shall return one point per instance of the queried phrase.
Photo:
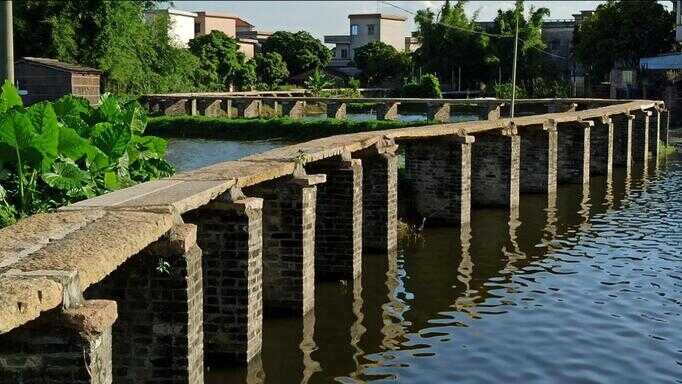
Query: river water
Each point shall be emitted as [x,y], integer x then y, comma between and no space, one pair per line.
[589,292]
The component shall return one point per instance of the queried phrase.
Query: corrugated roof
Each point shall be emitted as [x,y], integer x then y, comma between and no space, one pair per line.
[668,61]
[56,64]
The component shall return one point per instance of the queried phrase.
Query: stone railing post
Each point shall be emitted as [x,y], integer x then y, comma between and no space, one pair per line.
[159,333]
[230,229]
[388,110]
[640,136]
[655,134]
[247,108]
[338,218]
[601,147]
[71,344]
[289,210]
[438,173]
[495,169]
[539,159]
[293,109]
[438,112]
[574,152]
[336,110]
[379,197]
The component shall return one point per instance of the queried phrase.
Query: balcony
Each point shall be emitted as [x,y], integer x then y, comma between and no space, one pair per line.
[337,39]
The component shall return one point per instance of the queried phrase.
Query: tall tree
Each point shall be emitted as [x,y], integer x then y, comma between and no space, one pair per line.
[622,32]
[450,43]
[221,63]
[379,62]
[271,69]
[300,50]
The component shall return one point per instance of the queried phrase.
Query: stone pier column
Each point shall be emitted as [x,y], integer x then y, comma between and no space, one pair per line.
[293,109]
[159,334]
[655,133]
[490,111]
[338,218]
[229,229]
[539,159]
[288,242]
[175,107]
[601,147]
[640,136]
[573,165]
[438,112]
[247,108]
[336,110]
[622,140]
[495,169]
[62,346]
[388,110]
[665,125]
[209,107]
[379,197]
[439,176]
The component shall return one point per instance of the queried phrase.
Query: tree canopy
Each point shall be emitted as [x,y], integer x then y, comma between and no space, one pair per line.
[271,69]
[221,63]
[300,50]
[619,33]
[379,62]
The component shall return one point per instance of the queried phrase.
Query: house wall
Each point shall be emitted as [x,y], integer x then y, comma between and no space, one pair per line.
[181,29]
[212,23]
[248,49]
[363,38]
[85,85]
[42,83]
[393,32]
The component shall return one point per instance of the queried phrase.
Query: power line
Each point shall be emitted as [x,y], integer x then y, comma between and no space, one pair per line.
[479,32]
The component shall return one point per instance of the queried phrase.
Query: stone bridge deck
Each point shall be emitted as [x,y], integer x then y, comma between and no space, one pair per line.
[51,263]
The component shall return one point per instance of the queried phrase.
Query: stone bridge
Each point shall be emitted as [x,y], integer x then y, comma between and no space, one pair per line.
[146,283]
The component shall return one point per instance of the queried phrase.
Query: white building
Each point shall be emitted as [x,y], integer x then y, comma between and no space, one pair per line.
[181,28]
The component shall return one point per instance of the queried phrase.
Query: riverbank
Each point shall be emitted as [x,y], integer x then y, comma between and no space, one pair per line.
[203,127]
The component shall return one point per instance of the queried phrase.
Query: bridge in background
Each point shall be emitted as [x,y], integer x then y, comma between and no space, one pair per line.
[141,284]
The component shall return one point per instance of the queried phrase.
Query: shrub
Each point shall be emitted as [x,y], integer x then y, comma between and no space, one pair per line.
[504,91]
[53,154]
[428,86]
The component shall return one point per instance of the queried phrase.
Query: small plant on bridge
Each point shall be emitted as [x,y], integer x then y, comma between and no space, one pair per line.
[53,154]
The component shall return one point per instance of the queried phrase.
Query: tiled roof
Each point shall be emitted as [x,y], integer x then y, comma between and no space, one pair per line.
[56,64]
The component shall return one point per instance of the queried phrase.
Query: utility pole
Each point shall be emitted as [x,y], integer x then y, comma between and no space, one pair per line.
[7,59]
[516,49]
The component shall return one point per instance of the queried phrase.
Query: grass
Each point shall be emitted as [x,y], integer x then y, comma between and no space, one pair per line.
[205,127]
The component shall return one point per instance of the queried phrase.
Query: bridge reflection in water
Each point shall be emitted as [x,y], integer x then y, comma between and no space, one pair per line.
[313,250]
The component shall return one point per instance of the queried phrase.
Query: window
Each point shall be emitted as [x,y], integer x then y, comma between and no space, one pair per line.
[370,29]
[344,53]
[197,28]
[354,29]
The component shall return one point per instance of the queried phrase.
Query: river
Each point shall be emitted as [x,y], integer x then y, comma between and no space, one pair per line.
[590,292]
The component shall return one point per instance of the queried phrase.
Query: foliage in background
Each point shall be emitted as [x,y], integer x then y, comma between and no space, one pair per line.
[380,62]
[540,88]
[271,69]
[504,91]
[622,32]
[260,129]
[300,50]
[317,81]
[53,154]
[426,86]
[221,63]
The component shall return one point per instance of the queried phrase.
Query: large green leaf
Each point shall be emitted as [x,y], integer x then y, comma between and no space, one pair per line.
[111,181]
[42,116]
[9,97]
[135,117]
[65,176]
[72,145]
[44,121]
[77,124]
[109,108]
[71,106]
[16,130]
[113,140]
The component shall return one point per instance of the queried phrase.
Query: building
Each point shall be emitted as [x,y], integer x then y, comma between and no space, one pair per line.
[364,29]
[229,24]
[40,79]
[181,27]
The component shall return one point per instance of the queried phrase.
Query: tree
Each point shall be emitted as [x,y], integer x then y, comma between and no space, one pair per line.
[379,61]
[221,63]
[271,69]
[301,51]
[622,32]
[450,42]
[317,81]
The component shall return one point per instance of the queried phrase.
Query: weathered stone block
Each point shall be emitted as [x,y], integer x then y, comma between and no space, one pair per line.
[538,166]
[387,110]
[574,153]
[640,136]
[601,147]
[495,170]
[438,112]
[336,110]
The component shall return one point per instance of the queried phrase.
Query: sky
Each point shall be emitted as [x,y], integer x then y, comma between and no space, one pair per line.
[330,17]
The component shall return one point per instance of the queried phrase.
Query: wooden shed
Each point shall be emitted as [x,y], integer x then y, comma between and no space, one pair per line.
[49,79]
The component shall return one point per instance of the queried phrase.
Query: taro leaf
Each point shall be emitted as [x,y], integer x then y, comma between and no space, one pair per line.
[113,140]
[71,106]
[153,143]
[133,116]
[71,144]
[111,181]
[76,123]
[65,176]
[9,97]
[16,130]
[45,123]
[3,193]
[42,116]
[109,108]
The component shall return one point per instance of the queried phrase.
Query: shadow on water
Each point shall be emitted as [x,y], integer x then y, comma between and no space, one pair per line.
[587,289]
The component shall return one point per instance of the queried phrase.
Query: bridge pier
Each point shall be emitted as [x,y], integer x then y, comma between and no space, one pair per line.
[655,134]
[293,109]
[640,136]
[557,107]
[439,176]
[539,159]
[336,110]
[622,140]
[388,110]
[601,147]
[438,112]
[573,166]
[495,169]
[159,333]
[247,108]
[68,346]
[171,107]
[338,219]
[230,231]
[490,111]
[379,197]
[288,242]
[209,107]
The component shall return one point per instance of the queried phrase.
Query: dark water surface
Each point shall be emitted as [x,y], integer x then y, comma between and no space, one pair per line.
[589,292]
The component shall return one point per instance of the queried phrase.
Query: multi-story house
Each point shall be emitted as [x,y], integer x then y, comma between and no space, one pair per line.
[364,29]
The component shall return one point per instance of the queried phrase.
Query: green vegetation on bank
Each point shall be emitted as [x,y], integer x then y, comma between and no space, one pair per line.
[54,154]
[262,129]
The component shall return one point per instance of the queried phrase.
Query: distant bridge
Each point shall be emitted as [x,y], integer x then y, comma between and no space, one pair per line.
[141,284]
